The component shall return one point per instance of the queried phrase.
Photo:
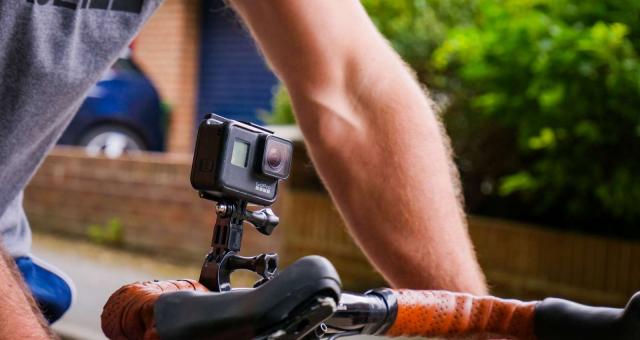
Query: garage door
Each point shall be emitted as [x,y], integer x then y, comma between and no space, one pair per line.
[234,80]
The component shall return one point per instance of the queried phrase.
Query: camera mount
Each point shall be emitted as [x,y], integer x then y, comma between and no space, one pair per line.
[223,258]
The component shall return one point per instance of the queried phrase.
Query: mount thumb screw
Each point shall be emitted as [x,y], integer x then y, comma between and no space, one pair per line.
[223,210]
[264,220]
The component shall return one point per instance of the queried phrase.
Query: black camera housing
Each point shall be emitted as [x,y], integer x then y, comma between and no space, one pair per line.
[239,160]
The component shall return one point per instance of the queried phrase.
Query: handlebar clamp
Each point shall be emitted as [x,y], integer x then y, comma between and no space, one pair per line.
[223,258]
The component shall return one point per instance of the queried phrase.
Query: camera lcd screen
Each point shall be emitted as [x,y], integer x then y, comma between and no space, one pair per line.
[240,153]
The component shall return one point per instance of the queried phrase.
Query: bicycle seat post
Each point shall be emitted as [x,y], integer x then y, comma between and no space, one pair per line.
[226,241]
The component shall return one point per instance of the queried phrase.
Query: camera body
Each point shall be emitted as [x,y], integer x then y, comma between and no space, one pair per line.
[238,160]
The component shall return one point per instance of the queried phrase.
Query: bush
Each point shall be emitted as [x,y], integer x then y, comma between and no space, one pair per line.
[564,78]
[416,28]
[544,101]
[282,110]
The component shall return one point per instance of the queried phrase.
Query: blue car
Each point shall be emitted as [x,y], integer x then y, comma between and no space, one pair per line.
[122,113]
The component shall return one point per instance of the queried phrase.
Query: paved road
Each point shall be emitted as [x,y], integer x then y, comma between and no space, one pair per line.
[99,271]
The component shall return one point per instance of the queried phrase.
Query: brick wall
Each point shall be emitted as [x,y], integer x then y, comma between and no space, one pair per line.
[150,195]
[167,49]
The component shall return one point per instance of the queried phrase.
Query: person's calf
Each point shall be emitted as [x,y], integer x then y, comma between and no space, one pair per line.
[20,317]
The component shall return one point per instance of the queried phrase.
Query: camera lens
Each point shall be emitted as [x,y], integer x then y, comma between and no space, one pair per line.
[274,158]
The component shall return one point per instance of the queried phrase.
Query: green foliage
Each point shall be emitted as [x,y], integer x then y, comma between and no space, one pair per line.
[416,28]
[544,100]
[564,76]
[516,182]
[282,112]
[111,233]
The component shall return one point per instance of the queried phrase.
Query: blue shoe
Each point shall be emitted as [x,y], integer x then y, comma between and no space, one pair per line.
[51,288]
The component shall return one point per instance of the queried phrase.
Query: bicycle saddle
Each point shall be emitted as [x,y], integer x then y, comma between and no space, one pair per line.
[287,307]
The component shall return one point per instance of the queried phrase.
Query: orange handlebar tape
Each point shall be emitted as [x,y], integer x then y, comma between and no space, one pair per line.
[447,314]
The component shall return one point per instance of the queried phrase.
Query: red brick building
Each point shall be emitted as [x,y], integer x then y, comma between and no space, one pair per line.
[202,60]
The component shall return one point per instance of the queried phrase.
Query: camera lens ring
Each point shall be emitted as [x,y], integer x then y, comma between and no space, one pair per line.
[276,159]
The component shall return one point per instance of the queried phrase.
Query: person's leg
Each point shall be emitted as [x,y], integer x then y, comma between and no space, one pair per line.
[52,289]
[20,317]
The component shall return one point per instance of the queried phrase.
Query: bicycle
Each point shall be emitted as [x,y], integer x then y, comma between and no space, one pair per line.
[306,301]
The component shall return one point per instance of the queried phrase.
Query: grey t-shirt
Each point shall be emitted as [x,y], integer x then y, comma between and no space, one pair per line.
[51,53]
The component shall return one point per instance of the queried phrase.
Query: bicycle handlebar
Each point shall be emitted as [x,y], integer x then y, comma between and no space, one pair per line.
[307,297]
[557,319]
[442,313]
[129,312]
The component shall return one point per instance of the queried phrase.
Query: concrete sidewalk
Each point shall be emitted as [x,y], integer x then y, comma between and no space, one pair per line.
[99,271]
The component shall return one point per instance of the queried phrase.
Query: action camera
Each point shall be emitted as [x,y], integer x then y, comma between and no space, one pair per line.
[239,160]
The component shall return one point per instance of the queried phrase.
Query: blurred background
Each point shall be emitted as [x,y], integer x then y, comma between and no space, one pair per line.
[541,99]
